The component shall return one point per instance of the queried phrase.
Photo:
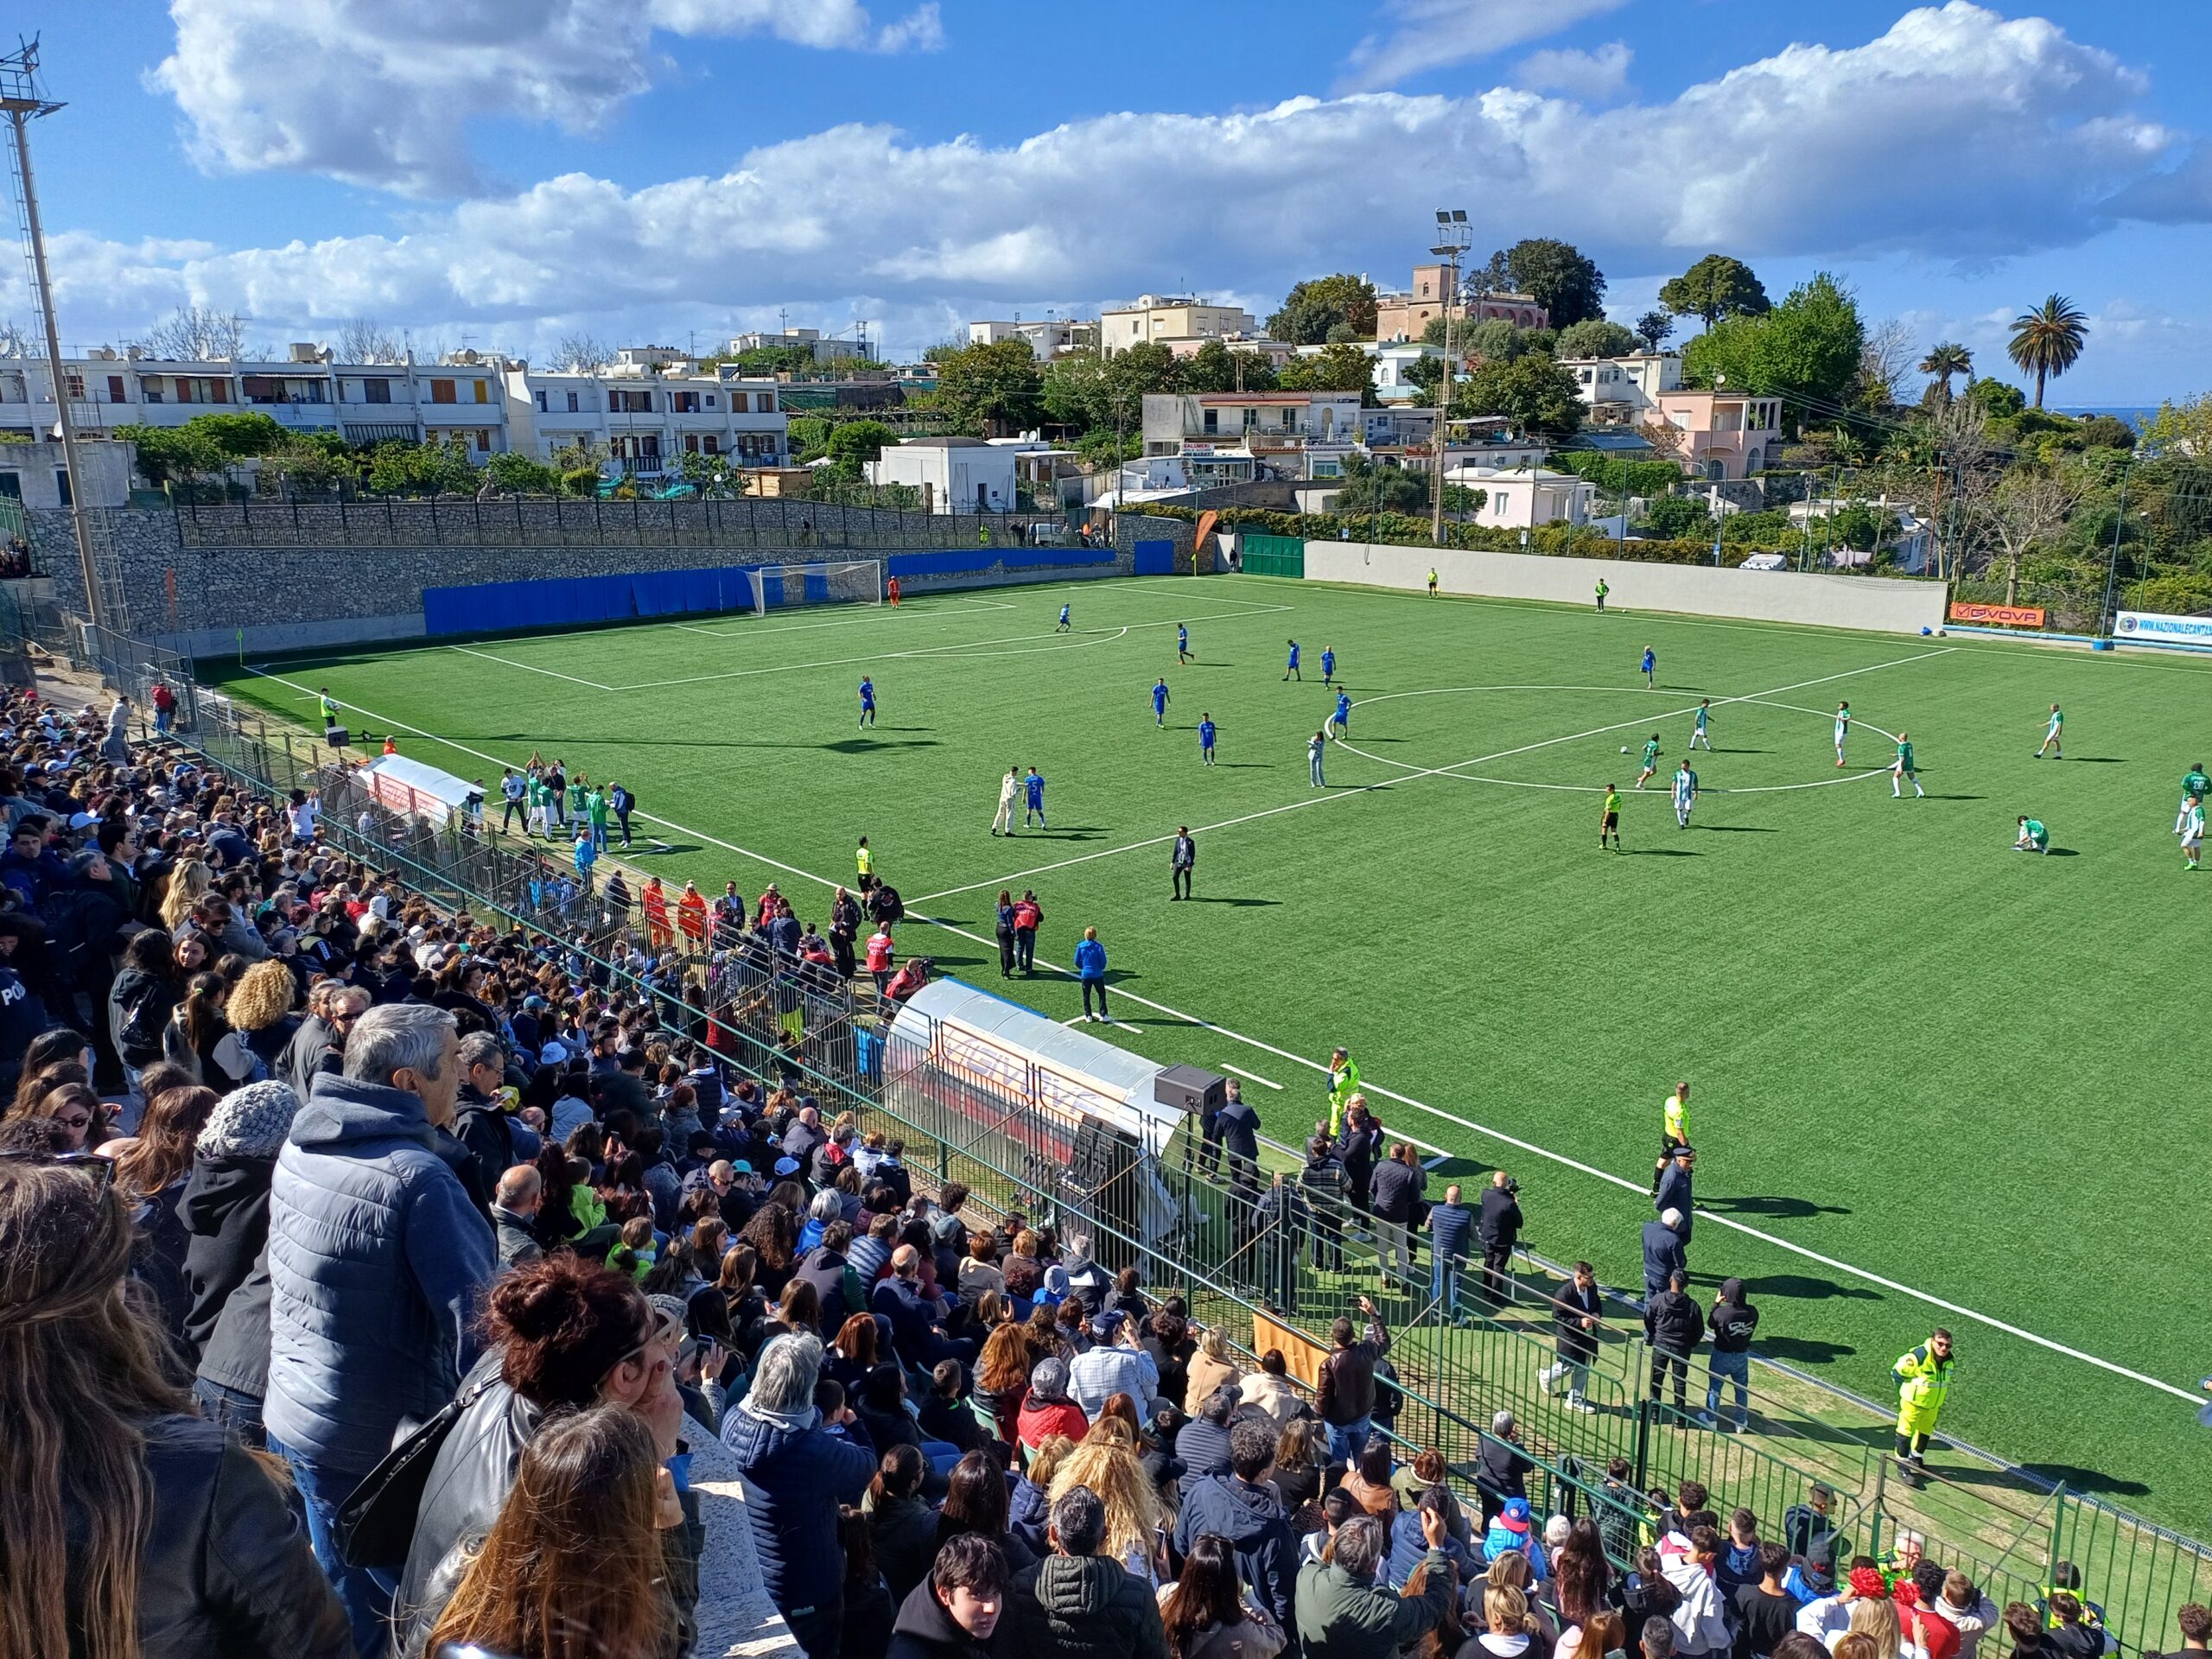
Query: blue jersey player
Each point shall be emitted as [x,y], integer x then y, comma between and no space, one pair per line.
[1160,703]
[1063,623]
[1341,720]
[1291,670]
[1182,643]
[1651,667]
[1328,663]
[1035,786]
[868,701]
[1205,739]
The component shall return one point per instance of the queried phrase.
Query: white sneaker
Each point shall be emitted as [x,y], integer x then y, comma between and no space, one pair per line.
[1706,1420]
[1577,1403]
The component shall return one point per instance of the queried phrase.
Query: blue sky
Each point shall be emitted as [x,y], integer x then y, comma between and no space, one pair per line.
[507,172]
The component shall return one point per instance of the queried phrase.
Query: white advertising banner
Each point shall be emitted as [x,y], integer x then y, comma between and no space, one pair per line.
[2155,628]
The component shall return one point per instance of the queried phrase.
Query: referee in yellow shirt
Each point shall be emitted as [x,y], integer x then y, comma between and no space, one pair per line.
[1673,1130]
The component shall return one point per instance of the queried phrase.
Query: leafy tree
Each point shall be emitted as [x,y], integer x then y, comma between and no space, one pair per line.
[1944,360]
[1315,306]
[1371,489]
[248,433]
[2105,432]
[1808,346]
[1653,326]
[1493,340]
[809,436]
[1531,390]
[2182,429]
[1996,398]
[855,442]
[1716,287]
[519,475]
[421,468]
[1131,375]
[1072,389]
[773,360]
[1101,448]
[1595,337]
[206,443]
[1617,474]
[1214,367]
[1341,367]
[1678,517]
[990,389]
[1426,372]
[709,474]
[1558,276]
[2047,342]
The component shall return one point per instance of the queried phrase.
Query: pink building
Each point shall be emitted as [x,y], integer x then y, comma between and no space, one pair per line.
[1726,435]
[1402,316]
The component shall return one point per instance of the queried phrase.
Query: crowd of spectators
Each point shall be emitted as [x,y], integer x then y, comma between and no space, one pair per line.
[367,1273]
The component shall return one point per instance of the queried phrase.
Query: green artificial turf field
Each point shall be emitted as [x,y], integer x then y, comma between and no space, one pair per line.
[1919,1055]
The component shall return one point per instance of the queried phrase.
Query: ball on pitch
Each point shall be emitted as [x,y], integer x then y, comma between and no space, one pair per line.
[1624,748]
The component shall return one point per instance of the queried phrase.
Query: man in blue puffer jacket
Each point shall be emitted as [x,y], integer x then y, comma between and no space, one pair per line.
[794,1473]
[377,1262]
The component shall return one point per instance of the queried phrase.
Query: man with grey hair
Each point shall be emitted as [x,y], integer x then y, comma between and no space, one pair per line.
[515,1204]
[1077,1604]
[378,1263]
[1344,1613]
[794,1473]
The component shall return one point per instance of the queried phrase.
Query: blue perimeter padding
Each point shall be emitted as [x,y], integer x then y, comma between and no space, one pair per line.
[574,601]
[1155,558]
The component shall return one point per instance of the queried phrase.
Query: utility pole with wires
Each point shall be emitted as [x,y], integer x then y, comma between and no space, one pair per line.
[20,101]
[1452,238]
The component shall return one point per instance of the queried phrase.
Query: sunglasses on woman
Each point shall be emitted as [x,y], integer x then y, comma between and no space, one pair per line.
[98,1170]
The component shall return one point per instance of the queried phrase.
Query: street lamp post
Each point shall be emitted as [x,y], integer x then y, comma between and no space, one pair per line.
[2112,565]
[1452,236]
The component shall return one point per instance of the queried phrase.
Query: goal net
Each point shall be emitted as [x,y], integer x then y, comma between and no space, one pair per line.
[834,581]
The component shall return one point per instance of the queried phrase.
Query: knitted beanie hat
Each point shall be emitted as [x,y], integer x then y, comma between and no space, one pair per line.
[249,1123]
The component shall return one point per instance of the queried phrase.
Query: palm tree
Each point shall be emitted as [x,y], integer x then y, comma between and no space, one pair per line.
[1945,360]
[2047,340]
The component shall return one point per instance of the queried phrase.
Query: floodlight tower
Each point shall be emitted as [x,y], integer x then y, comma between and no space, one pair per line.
[20,99]
[1452,236]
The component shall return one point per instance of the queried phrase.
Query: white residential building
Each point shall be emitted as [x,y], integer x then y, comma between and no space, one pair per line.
[1520,497]
[954,474]
[1047,339]
[1624,391]
[810,340]
[1158,318]
[306,391]
[648,409]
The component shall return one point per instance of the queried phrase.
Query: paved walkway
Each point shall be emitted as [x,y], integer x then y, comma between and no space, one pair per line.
[736,1617]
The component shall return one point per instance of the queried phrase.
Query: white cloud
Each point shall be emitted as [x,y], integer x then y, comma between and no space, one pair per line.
[381,91]
[1424,35]
[1956,136]
[1593,77]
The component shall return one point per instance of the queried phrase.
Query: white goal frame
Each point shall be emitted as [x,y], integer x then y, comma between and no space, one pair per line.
[825,582]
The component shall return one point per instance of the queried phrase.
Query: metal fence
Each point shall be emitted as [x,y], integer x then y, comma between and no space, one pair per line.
[1252,1247]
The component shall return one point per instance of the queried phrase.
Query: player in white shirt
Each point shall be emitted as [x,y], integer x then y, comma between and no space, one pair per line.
[1702,731]
[2192,834]
[1685,793]
[2050,737]
[1009,789]
[1842,728]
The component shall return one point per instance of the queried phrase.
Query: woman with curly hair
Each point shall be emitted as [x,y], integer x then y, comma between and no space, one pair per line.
[260,1011]
[1107,1463]
[1003,1377]
[774,1235]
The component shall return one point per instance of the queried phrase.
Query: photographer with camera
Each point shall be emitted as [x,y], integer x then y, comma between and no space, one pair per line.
[1499,1226]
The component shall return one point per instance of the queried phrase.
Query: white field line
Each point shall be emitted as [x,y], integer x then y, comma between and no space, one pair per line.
[876,613]
[1929,1299]
[1254,1076]
[504,661]
[977,647]
[1412,774]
